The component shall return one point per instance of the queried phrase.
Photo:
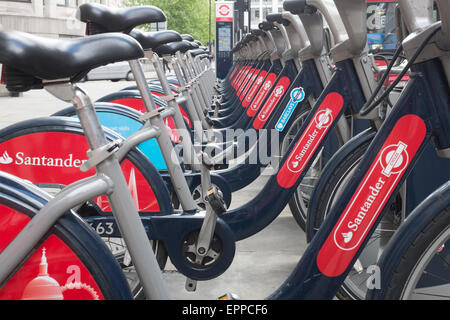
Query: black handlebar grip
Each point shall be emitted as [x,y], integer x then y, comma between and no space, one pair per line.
[266,26]
[294,6]
[277,17]
[257,32]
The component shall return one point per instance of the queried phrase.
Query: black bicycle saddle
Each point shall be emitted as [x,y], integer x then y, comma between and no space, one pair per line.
[172,48]
[28,59]
[298,7]
[197,52]
[102,19]
[294,6]
[187,37]
[277,17]
[194,45]
[204,56]
[151,40]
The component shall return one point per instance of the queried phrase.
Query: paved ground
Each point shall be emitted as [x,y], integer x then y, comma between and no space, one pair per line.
[262,262]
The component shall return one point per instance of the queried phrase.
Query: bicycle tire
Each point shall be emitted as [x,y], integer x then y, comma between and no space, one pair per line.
[76,260]
[424,236]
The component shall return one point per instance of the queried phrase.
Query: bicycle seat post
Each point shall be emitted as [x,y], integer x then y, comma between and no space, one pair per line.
[313,25]
[286,54]
[276,38]
[199,135]
[347,21]
[195,94]
[164,141]
[262,45]
[297,37]
[188,152]
[198,79]
[122,204]
[202,74]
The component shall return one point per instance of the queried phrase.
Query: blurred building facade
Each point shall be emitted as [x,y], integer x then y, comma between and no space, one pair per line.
[53,18]
[261,8]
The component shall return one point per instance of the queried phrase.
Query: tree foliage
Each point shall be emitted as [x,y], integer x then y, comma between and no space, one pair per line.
[184,16]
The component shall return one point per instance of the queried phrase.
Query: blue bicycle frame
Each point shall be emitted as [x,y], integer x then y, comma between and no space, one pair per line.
[421,113]
[254,216]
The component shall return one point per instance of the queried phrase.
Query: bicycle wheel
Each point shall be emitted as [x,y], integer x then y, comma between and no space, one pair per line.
[70,262]
[120,252]
[416,264]
[329,189]
[425,272]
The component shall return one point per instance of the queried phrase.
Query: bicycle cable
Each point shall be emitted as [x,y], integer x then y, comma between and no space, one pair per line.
[385,86]
[370,104]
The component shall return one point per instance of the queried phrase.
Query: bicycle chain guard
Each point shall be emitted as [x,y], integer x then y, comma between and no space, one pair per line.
[180,232]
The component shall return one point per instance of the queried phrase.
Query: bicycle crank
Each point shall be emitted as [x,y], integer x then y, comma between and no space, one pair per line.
[180,234]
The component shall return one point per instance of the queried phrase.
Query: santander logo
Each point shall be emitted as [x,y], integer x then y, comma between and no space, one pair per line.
[322,120]
[347,236]
[268,85]
[264,114]
[279,91]
[309,142]
[260,80]
[22,159]
[262,94]
[5,158]
[272,102]
[371,196]
[254,88]
[393,160]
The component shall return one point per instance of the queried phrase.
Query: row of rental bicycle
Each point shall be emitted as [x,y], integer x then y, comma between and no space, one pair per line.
[96,198]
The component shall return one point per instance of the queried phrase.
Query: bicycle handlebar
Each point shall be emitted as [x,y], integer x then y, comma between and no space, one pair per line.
[278,18]
[294,6]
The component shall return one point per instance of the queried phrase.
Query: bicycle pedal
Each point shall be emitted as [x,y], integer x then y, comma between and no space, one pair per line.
[229,296]
[215,199]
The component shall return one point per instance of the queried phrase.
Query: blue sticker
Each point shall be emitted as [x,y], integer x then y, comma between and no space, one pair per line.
[297,96]
[126,126]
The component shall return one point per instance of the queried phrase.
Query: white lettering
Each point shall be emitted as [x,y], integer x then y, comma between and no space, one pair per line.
[43,161]
[308,144]
[210,311]
[19,157]
[374,192]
